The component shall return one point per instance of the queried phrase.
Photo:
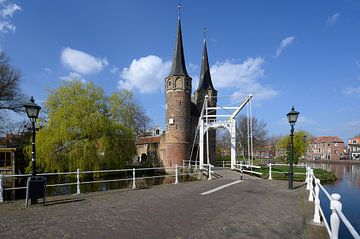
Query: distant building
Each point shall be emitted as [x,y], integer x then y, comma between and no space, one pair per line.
[354,148]
[327,148]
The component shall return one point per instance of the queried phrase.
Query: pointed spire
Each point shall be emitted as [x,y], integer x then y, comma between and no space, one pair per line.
[205,78]
[178,65]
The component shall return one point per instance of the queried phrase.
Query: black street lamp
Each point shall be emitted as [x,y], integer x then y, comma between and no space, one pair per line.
[32,111]
[292,118]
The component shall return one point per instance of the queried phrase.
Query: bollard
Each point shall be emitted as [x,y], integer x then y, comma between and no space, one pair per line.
[223,164]
[134,184]
[176,174]
[306,175]
[307,178]
[311,186]
[335,205]
[77,181]
[1,188]
[210,177]
[270,171]
[317,202]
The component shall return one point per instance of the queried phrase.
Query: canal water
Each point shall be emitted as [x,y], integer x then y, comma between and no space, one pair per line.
[348,186]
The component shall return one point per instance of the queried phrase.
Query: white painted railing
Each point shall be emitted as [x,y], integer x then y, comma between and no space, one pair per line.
[314,186]
[78,182]
[271,165]
[246,168]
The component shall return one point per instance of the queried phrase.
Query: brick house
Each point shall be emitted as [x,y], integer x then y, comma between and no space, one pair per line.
[354,148]
[327,148]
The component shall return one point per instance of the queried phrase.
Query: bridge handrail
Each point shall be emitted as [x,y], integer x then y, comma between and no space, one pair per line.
[78,182]
[314,186]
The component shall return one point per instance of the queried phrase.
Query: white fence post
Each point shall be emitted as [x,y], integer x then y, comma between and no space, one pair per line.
[77,181]
[311,198]
[317,202]
[270,171]
[335,205]
[307,178]
[134,179]
[210,177]
[176,174]
[223,164]
[1,188]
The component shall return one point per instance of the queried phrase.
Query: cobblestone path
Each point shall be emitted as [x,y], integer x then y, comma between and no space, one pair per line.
[253,208]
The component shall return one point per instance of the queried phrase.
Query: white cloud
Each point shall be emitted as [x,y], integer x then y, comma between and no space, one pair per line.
[146,74]
[287,41]
[7,11]
[73,76]
[47,70]
[114,69]
[333,19]
[351,91]
[82,62]
[243,78]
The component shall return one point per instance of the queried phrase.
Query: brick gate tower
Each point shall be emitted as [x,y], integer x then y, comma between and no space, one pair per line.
[178,107]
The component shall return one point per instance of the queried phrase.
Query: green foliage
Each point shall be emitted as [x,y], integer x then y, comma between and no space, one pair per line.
[81,131]
[281,173]
[300,146]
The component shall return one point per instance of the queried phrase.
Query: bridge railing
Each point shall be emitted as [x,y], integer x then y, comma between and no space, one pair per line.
[314,186]
[174,172]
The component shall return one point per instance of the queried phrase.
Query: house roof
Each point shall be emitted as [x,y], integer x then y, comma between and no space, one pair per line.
[328,139]
[357,140]
[148,140]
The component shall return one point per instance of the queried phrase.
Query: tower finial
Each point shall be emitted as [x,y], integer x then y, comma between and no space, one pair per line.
[204,30]
[179,7]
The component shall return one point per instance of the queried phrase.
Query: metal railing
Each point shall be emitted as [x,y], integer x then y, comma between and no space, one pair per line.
[177,173]
[270,165]
[314,186]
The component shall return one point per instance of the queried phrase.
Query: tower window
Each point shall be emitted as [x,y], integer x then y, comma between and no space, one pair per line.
[187,83]
[169,83]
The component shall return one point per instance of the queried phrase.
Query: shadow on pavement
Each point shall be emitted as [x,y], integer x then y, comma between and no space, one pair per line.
[63,201]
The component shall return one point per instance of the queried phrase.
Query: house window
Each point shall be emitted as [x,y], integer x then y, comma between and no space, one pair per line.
[329,144]
[157,132]
[336,144]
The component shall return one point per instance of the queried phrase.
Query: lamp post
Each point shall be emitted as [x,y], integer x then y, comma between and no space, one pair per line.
[292,118]
[32,111]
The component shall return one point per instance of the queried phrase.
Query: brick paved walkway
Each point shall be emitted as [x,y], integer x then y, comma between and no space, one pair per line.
[253,208]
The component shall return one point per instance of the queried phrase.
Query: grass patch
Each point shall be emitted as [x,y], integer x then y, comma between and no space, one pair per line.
[281,173]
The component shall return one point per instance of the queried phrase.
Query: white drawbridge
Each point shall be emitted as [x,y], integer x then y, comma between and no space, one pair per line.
[214,121]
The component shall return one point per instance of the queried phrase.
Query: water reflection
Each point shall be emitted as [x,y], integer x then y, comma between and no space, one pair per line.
[350,173]
[348,186]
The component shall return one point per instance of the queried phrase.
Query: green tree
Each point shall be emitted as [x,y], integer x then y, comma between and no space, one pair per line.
[300,146]
[80,131]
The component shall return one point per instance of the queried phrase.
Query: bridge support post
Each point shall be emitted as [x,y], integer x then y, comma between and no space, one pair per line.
[270,171]
[317,202]
[233,144]
[1,188]
[335,205]
[134,179]
[201,144]
[176,174]
[210,176]
[77,181]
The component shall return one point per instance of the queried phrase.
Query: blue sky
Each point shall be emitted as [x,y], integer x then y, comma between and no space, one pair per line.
[302,53]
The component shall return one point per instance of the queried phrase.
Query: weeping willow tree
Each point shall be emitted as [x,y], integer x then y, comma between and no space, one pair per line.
[83,130]
[300,145]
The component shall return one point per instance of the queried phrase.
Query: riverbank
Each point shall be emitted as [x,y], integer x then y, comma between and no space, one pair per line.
[335,161]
